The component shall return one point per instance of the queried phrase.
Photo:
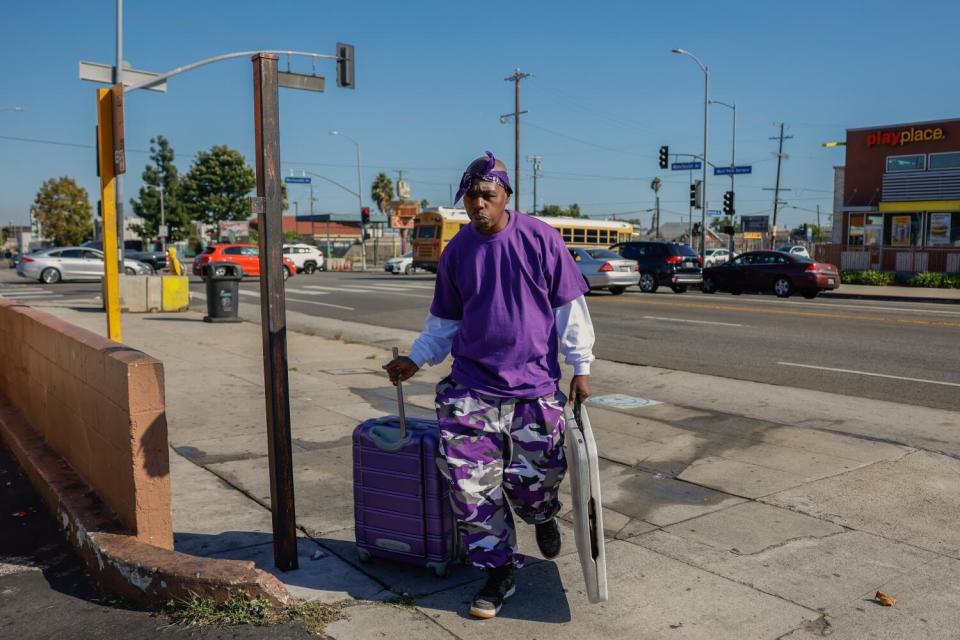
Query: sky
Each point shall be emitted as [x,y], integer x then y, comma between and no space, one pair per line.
[605,92]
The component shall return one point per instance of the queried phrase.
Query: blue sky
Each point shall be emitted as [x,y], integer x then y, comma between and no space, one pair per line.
[606,92]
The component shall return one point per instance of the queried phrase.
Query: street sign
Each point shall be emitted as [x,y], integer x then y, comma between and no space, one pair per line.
[714,212]
[301,81]
[754,223]
[726,171]
[162,230]
[96,72]
[685,166]
[297,179]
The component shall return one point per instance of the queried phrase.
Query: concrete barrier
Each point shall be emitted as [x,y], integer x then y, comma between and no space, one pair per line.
[151,294]
[86,419]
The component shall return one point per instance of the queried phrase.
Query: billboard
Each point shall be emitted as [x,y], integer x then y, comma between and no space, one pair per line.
[233,231]
[755,223]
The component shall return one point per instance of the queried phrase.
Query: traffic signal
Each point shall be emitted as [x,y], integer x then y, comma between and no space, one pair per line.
[346,64]
[664,156]
[365,215]
[696,228]
[696,194]
[728,203]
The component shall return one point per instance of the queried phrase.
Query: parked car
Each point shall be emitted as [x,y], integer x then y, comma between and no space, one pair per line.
[72,263]
[775,271]
[246,256]
[605,269]
[669,264]
[13,257]
[133,249]
[713,257]
[306,257]
[795,250]
[401,264]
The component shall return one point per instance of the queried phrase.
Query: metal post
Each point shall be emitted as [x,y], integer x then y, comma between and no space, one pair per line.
[363,231]
[703,201]
[163,220]
[118,180]
[108,181]
[690,212]
[268,205]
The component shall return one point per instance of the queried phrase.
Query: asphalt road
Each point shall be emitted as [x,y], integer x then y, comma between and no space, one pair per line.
[898,351]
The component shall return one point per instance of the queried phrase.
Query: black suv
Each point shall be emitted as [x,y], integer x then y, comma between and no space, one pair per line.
[663,263]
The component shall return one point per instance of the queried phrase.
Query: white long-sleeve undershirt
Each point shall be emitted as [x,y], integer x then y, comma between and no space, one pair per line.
[574,330]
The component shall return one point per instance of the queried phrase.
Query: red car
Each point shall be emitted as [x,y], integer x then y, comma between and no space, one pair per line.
[781,273]
[246,256]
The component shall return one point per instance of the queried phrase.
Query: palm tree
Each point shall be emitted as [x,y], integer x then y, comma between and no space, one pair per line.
[382,191]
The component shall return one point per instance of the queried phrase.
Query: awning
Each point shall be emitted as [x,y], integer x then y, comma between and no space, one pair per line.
[920,205]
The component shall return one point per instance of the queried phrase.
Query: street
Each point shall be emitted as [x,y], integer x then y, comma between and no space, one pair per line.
[889,351]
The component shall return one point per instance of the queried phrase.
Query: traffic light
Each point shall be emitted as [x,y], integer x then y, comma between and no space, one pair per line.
[346,66]
[664,156]
[728,203]
[696,228]
[365,215]
[696,194]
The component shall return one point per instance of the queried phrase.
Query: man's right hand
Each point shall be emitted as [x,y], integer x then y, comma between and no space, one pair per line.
[400,369]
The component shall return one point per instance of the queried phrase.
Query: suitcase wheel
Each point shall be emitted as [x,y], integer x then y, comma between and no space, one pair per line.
[363,554]
[439,568]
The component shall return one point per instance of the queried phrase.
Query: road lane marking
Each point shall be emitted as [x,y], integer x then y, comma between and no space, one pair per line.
[868,373]
[254,294]
[304,292]
[723,324]
[367,290]
[30,296]
[784,312]
[825,304]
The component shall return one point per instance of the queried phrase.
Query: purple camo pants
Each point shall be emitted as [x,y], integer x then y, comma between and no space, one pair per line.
[499,450]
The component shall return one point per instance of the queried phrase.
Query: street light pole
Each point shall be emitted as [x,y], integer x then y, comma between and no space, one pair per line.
[706,103]
[118,179]
[363,230]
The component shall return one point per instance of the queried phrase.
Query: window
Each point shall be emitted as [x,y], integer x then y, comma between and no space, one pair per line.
[233,251]
[53,254]
[603,236]
[92,255]
[602,254]
[855,230]
[426,232]
[567,234]
[950,160]
[71,253]
[249,251]
[591,236]
[901,229]
[288,250]
[209,250]
[578,235]
[906,163]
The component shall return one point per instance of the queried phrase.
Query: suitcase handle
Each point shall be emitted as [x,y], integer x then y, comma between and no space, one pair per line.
[386,438]
[576,414]
[403,417]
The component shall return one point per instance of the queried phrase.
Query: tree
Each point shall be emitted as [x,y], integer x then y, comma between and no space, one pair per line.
[553,210]
[218,186]
[63,210]
[382,191]
[424,204]
[162,174]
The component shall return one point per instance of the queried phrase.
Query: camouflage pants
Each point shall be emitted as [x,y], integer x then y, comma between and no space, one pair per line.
[499,450]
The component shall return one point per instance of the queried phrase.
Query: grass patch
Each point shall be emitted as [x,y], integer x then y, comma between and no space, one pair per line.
[338,335]
[241,609]
[372,356]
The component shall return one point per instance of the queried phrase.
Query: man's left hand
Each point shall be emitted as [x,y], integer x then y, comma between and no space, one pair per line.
[579,388]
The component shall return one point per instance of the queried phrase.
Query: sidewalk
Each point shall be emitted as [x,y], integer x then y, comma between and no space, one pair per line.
[731,509]
[895,293]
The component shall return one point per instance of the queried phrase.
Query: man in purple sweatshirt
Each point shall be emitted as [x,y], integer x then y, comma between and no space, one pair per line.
[507,301]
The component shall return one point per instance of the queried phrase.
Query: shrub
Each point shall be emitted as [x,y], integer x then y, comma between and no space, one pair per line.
[928,280]
[877,278]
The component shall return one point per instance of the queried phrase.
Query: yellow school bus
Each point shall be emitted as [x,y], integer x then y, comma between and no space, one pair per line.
[434,228]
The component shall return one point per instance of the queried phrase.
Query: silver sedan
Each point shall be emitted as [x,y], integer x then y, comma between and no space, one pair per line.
[72,263]
[604,269]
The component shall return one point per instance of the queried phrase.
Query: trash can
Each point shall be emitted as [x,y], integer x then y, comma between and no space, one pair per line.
[223,291]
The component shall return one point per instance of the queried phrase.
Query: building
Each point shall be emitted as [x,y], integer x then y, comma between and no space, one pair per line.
[898,201]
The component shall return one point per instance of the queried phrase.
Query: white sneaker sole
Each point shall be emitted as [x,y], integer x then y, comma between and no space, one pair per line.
[486,614]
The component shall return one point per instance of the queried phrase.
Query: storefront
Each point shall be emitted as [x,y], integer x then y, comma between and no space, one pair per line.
[900,206]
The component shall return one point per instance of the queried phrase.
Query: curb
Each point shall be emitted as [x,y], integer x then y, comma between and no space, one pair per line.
[887,298]
[118,562]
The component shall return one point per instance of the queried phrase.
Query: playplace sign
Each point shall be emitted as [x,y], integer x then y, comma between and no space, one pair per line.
[903,136]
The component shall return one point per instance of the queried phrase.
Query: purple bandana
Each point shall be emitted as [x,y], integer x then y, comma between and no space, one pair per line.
[482,169]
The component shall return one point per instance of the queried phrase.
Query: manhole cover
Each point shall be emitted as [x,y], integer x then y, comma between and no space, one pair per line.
[621,401]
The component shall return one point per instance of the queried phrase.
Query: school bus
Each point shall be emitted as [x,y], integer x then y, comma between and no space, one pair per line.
[434,228]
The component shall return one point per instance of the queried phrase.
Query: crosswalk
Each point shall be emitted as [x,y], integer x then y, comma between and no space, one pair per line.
[308,293]
[27,293]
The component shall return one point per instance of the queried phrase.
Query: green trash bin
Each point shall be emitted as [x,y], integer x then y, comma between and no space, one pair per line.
[223,291]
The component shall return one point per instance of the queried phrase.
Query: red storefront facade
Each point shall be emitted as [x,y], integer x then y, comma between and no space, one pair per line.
[900,205]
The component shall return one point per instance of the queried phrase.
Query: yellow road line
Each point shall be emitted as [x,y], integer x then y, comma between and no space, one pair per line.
[783,312]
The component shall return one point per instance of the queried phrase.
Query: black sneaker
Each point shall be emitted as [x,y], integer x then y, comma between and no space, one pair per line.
[499,587]
[548,538]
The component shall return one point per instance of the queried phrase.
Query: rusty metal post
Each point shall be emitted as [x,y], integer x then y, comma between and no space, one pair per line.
[267,205]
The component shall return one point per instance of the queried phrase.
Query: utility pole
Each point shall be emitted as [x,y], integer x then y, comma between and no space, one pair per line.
[163,222]
[537,162]
[516,78]
[816,236]
[776,190]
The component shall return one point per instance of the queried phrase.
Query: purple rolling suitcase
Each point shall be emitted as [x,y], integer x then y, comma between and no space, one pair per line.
[401,500]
